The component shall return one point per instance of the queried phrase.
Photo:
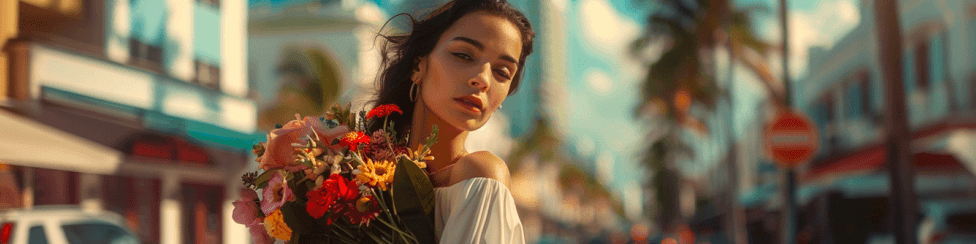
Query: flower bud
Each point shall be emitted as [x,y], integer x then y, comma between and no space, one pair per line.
[336,169]
[361,204]
[319,169]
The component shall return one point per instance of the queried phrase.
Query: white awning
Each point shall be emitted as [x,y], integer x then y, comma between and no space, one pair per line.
[962,144]
[28,143]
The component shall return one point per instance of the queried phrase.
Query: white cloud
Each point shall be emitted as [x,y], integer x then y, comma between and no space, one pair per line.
[599,81]
[605,29]
[822,26]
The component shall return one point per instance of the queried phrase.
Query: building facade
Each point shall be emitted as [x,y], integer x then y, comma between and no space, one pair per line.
[843,191]
[136,107]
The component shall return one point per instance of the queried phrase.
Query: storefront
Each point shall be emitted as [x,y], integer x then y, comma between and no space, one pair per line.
[847,196]
[165,155]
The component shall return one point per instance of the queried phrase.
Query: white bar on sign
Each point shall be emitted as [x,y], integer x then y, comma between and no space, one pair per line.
[790,139]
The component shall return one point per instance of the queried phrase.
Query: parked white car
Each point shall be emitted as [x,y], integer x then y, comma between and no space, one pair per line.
[63,225]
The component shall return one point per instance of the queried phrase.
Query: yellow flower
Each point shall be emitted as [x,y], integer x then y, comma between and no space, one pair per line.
[420,156]
[274,223]
[376,173]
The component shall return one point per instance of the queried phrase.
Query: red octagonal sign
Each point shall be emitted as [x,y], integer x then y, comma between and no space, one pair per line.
[791,139]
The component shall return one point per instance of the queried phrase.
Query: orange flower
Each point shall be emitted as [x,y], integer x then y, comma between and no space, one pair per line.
[383,111]
[275,224]
[353,139]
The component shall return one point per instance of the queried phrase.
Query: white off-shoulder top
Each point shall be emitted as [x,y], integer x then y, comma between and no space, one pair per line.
[476,210]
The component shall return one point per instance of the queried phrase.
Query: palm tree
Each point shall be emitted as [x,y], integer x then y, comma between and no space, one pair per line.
[310,82]
[688,33]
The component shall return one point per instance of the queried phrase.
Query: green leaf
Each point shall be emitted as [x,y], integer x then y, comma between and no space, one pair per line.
[263,179]
[414,196]
[310,184]
[433,137]
[298,219]
[308,163]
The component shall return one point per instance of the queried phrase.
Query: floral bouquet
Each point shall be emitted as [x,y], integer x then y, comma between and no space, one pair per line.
[329,180]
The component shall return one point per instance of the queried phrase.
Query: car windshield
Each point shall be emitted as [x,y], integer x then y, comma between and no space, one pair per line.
[962,223]
[92,233]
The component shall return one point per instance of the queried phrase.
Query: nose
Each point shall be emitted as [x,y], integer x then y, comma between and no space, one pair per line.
[481,80]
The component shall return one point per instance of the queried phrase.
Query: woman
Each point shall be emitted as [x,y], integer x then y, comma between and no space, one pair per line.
[454,70]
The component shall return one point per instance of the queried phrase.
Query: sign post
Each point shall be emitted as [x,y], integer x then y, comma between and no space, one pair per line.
[790,139]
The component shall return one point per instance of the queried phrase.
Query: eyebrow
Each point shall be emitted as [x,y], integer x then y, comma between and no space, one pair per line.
[481,47]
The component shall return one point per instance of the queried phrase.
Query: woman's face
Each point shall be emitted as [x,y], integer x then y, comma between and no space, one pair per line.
[469,72]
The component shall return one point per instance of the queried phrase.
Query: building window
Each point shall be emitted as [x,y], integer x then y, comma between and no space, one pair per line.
[206,74]
[922,65]
[214,3]
[829,130]
[855,100]
[145,53]
[828,103]
[972,90]
[867,96]
[864,81]
[168,148]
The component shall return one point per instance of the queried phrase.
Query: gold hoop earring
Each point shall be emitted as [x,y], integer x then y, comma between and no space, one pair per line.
[412,88]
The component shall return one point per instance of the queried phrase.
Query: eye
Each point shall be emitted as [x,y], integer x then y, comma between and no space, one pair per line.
[463,56]
[504,73]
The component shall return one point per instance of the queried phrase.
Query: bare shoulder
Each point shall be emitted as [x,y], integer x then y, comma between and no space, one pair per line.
[481,164]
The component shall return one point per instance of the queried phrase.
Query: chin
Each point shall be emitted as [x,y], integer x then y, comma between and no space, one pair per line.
[469,125]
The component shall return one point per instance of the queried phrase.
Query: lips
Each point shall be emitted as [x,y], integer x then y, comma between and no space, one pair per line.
[471,102]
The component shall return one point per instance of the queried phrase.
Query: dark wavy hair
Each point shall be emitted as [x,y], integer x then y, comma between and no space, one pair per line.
[401,52]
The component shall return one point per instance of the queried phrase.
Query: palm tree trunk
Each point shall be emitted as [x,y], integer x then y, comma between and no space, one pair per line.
[789,212]
[902,195]
[735,221]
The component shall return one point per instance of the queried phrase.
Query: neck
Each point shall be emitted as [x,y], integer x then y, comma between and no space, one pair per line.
[450,140]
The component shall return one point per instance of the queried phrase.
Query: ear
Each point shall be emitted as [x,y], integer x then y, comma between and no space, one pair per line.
[420,70]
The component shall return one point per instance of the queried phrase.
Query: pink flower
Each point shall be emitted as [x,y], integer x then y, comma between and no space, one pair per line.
[276,194]
[279,153]
[246,213]
[246,210]
[260,235]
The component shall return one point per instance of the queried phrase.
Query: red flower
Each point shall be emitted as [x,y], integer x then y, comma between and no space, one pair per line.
[335,194]
[353,139]
[363,210]
[383,111]
[320,200]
